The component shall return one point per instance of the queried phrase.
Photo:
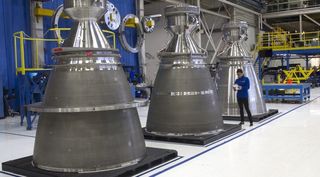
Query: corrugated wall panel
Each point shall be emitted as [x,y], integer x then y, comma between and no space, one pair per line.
[241,15]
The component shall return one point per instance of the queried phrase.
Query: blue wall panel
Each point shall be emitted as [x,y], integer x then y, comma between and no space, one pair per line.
[124,6]
[14,16]
[1,100]
[127,7]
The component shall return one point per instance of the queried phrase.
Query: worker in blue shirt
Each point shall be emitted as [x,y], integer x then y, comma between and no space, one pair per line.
[242,85]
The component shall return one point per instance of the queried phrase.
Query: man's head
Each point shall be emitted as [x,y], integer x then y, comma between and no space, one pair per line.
[240,72]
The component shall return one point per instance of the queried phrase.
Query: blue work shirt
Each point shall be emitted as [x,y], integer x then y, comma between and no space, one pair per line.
[245,86]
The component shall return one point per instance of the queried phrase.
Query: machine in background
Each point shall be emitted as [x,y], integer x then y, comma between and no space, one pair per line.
[234,56]
[88,119]
[184,102]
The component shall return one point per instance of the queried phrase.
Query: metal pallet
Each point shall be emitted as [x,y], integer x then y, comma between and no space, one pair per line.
[255,118]
[153,158]
[228,129]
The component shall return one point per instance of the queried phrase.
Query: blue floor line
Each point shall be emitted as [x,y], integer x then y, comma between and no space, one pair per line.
[214,147]
[210,144]
[16,134]
[161,165]
[266,119]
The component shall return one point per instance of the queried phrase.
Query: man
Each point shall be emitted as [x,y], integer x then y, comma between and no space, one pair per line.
[242,85]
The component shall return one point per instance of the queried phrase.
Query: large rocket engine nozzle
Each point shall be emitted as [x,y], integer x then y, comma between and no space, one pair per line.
[88,119]
[184,98]
[235,31]
[182,22]
[85,9]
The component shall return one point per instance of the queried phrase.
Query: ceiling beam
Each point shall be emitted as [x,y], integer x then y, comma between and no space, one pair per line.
[267,25]
[240,7]
[292,12]
[201,9]
[311,19]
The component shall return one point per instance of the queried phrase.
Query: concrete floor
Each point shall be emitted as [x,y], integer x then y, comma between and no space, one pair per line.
[285,145]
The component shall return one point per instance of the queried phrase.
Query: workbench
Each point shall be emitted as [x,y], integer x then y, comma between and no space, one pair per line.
[300,92]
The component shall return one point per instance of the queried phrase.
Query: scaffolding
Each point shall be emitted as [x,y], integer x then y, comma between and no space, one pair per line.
[280,40]
[286,46]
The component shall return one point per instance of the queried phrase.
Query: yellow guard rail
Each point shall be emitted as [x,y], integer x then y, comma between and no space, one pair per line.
[282,40]
[21,38]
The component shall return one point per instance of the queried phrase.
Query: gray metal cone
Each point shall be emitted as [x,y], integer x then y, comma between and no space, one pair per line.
[88,120]
[88,141]
[184,99]
[234,56]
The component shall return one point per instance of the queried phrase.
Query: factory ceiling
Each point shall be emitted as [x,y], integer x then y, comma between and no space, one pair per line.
[288,10]
[285,14]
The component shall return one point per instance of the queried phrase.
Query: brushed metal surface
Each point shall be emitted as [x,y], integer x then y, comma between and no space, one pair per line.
[86,34]
[234,56]
[84,142]
[87,76]
[85,31]
[184,99]
[85,9]
[182,22]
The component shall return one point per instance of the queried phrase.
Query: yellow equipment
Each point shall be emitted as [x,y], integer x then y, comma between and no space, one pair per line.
[283,40]
[297,74]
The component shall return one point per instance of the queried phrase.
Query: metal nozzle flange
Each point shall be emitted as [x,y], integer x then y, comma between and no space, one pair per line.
[39,107]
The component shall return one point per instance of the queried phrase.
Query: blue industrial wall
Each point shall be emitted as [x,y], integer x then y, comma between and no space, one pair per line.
[1,101]
[124,6]
[14,16]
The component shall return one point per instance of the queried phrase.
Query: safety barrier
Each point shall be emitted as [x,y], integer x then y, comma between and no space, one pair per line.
[19,50]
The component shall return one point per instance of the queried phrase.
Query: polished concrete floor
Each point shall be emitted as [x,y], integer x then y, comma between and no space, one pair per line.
[284,145]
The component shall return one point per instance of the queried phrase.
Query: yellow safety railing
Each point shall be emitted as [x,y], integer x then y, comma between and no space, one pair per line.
[111,34]
[20,64]
[21,38]
[282,40]
[58,30]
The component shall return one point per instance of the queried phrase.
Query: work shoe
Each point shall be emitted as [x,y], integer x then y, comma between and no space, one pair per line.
[251,124]
[241,123]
